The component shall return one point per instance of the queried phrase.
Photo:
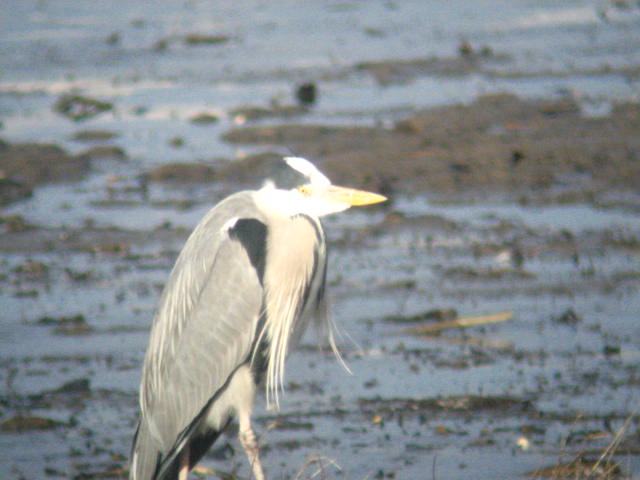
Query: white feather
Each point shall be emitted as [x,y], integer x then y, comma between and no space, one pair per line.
[308,169]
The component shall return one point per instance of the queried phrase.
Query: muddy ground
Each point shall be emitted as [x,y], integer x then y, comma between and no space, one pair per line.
[544,149]
[488,310]
[422,263]
[497,142]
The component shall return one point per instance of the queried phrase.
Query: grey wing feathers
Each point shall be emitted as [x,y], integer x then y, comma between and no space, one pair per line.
[146,456]
[203,329]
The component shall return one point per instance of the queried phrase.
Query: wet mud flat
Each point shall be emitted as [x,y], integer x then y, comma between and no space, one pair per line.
[489,310]
[522,209]
[497,142]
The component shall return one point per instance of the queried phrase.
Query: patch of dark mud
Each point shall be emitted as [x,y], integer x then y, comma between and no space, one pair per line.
[24,166]
[487,274]
[80,385]
[73,394]
[294,444]
[27,164]
[498,142]
[74,325]
[14,224]
[80,107]
[479,60]
[182,173]
[107,470]
[104,152]
[466,403]
[110,241]
[91,136]
[20,423]
[626,241]
[125,190]
[306,93]
[568,317]
[177,142]
[290,425]
[32,271]
[438,314]
[252,113]
[204,118]
[192,40]
[629,71]
[304,96]
[581,467]
[195,39]
[469,60]
[13,191]
[398,221]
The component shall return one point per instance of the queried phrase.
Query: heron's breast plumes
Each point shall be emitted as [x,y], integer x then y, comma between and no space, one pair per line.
[290,266]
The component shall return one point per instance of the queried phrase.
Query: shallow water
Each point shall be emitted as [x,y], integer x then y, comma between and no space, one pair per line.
[563,380]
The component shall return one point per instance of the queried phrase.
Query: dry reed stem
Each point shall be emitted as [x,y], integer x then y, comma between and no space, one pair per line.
[461,322]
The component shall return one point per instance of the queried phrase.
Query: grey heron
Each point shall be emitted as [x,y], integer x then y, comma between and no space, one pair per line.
[243,289]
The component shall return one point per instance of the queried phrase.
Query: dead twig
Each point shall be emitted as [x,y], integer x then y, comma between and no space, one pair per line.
[319,462]
[607,454]
[461,322]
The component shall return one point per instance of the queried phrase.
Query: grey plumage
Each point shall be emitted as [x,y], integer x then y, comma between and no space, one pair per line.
[242,291]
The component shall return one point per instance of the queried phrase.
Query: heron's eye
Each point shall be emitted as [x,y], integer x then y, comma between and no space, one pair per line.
[304,190]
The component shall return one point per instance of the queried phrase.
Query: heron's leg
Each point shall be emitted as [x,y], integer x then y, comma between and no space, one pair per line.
[249,442]
[184,464]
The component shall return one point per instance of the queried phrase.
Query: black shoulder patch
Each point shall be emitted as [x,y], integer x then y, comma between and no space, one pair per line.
[252,234]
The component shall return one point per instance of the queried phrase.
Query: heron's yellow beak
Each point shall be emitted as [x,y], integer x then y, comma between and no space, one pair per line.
[353,197]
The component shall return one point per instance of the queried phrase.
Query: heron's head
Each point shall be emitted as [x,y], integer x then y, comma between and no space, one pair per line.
[302,188]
